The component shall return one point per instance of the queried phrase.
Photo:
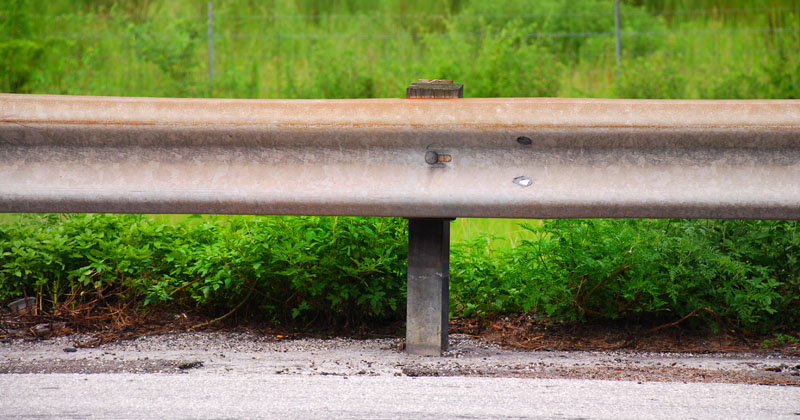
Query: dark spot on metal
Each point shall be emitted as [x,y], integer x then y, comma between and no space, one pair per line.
[523,181]
[524,140]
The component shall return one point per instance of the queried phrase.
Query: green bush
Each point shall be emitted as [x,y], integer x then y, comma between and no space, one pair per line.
[341,271]
[743,273]
[351,271]
[336,270]
[485,280]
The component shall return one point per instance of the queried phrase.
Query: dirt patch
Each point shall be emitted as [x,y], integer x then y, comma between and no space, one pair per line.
[533,333]
[524,332]
[95,366]
[521,346]
[623,373]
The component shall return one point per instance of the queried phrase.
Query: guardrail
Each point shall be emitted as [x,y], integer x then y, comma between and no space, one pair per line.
[424,159]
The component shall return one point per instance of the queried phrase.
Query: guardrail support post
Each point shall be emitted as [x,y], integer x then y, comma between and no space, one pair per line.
[428,306]
[428,286]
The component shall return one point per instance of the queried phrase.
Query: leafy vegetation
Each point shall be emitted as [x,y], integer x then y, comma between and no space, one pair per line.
[340,271]
[276,49]
[742,275]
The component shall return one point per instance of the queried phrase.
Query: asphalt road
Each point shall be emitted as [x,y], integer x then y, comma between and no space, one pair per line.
[198,395]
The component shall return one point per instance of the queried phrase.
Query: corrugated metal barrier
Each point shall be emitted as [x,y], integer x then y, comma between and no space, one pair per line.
[509,157]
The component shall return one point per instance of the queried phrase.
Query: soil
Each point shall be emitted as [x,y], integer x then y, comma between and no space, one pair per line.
[506,346]
[526,332]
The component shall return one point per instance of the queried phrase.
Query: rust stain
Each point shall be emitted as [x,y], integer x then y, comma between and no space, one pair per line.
[472,113]
[370,125]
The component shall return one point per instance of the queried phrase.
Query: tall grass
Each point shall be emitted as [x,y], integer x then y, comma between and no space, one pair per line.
[335,49]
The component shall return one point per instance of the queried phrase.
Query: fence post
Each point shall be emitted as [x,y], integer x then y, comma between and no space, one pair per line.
[210,49]
[616,30]
[428,306]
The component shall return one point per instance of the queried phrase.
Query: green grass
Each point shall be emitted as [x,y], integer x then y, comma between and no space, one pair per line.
[502,233]
[498,48]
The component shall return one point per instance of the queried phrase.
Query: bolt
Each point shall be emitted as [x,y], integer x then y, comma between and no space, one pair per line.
[432,158]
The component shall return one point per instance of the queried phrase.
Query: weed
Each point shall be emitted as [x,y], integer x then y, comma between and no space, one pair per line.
[779,339]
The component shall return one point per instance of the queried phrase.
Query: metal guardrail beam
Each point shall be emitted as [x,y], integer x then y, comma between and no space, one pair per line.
[510,157]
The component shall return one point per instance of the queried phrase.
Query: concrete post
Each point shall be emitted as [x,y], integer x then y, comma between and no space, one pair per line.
[428,286]
[428,306]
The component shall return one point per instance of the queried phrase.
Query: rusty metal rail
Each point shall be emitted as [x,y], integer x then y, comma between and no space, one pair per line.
[522,158]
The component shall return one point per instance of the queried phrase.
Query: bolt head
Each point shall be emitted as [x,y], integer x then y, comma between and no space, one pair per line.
[431,158]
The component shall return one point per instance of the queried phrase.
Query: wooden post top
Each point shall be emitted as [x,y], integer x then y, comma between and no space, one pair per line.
[425,88]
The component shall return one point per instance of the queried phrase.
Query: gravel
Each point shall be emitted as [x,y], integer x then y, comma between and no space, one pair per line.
[216,353]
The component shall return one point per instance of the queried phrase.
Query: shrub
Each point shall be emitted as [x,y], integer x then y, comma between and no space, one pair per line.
[742,273]
[341,271]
